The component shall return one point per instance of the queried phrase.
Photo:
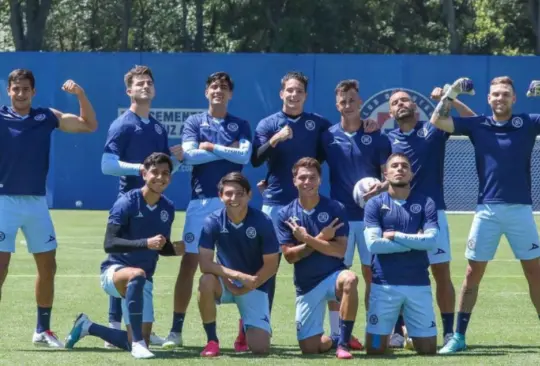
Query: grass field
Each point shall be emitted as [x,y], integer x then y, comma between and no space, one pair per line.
[504,327]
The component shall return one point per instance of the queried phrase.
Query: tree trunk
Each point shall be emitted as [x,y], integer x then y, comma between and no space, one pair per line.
[199,21]
[450,14]
[126,24]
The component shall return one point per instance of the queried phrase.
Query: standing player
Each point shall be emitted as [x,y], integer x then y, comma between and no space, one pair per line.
[425,146]
[247,256]
[352,154]
[131,138]
[312,231]
[215,143]
[503,145]
[138,231]
[25,143]
[401,226]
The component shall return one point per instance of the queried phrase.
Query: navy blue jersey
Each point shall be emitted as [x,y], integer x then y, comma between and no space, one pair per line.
[240,246]
[25,144]
[138,220]
[425,146]
[311,270]
[503,155]
[202,127]
[133,139]
[417,213]
[307,130]
[351,157]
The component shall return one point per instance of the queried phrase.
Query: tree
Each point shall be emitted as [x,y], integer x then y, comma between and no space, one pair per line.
[28,32]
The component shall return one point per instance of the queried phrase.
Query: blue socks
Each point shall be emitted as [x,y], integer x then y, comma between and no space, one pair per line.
[178,322]
[119,338]
[462,322]
[210,329]
[346,328]
[134,301]
[43,319]
[448,322]
[115,310]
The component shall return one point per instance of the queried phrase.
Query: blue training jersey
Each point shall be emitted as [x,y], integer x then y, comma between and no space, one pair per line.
[351,157]
[202,127]
[133,139]
[425,146]
[313,269]
[25,144]
[503,155]
[138,220]
[240,247]
[417,213]
[307,130]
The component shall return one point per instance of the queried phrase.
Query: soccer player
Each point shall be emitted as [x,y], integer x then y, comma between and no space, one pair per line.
[131,138]
[138,231]
[247,256]
[25,143]
[215,143]
[503,144]
[352,154]
[425,145]
[401,227]
[312,231]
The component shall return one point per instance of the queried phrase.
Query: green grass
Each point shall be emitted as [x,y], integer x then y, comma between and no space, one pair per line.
[503,329]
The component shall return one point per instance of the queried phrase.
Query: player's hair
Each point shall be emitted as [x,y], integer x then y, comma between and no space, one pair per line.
[220,76]
[234,177]
[346,85]
[156,159]
[21,74]
[395,91]
[398,155]
[308,163]
[296,75]
[503,80]
[138,70]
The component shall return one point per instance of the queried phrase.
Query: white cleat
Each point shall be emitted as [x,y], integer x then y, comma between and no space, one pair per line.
[396,341]
[140,351]
[156,340]
[172,341]
[47,339]
[447,338]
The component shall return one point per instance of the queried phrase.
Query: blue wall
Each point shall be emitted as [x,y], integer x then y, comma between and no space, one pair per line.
[75,160]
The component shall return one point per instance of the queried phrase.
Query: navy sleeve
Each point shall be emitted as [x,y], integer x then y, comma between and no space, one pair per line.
[321,153]
[431,218]
[464,126]
[117,139]
[209,234]
[119,213]
[261,143]
[385,149]
[52,119]
[535,119]
[246,131]
[284,233]
[341,213]
[190,131]
[269,238]
[371,214]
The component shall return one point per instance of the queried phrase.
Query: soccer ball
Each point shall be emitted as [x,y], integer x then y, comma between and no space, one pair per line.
[361,187]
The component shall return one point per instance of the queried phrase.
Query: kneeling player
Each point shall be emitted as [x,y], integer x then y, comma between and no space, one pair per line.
[137,232]
[312,231]
[401,227]
[247,256]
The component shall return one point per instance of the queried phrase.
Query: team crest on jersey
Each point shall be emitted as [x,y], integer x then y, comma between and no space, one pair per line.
[378,109]
[2,236]
[164,216]
[251,232]
[471,244]
[366,139]
[189,237]
[310,125]
[233,127]
[158,129]
[517,122]
[416,208]
[323,217]
[40,117]
[373,319]
[422,133]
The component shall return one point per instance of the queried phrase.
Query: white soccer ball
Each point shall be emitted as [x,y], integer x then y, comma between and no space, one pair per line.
[361,187]
[78,204]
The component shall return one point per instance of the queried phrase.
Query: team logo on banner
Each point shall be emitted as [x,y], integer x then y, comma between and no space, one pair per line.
[378,109]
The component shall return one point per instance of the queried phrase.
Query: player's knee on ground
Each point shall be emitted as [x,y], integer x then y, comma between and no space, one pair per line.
[425,345]
[376,344]
[315,345]
[258,341]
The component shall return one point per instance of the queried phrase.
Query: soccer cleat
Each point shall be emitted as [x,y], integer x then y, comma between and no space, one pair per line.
[211,349]
[447,338]
[46,339]
[396,341]
[454,345]
[156,340]
[240,344]
[409,345]
[343,353]
[140,351]
[172,341]
[78,331]
[355,344]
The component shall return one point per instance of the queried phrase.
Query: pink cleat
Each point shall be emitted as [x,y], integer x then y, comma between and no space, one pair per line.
[240,344]
[355,344]
[343,353]
[211,349]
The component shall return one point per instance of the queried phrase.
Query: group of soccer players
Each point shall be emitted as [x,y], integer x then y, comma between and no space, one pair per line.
[400,233]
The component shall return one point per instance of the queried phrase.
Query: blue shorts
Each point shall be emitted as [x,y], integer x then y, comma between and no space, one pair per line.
[31,215]
[107,284]
[311,307]
[253,307]
[442,252]
[272,212]
[196,212]
[386,302]
[516,222]
[356,240]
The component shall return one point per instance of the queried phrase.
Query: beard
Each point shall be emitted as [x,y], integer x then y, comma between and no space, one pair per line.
[399,184]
